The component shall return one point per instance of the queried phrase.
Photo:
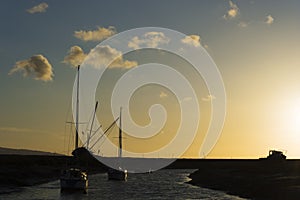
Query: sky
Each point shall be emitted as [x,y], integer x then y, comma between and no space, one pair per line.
[255,45]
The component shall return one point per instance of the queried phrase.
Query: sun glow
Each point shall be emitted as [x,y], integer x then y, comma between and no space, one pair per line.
[291,118]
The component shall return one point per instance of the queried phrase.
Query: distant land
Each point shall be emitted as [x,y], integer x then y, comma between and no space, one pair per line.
[10,151]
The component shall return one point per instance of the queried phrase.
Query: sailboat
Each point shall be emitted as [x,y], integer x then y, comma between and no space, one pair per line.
[118,174]
[74,178]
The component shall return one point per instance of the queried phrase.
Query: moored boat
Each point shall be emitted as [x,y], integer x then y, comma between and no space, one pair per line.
[74,178]
[118,174]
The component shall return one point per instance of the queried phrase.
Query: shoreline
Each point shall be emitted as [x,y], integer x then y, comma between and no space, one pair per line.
[257,179]
[17,171]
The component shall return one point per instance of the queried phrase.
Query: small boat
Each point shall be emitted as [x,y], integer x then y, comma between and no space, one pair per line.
[118,174]
[74,178]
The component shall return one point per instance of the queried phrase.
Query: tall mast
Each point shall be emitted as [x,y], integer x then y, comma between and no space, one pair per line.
[77,108]
[120,134]
[89,137]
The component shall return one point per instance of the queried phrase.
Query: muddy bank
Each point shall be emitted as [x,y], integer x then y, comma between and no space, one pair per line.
[26,170]
[254,179]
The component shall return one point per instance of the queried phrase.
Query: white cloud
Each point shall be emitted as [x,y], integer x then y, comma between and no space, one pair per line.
[38,9]
[75,56]
[232,12]
[269,20]
[150,39]
[193,40]
[186,99]
[243,24]
[163,94]
[101,56]
[208,98]
[37,65]
[96,35]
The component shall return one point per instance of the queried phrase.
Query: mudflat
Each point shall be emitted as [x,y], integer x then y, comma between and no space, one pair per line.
[254,179]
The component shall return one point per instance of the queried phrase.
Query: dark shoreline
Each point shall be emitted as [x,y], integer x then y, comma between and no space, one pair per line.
[254,179]
[17,171]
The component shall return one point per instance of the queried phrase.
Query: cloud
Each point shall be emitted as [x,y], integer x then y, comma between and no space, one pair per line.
[16,130]
[208,98]
[38,9]
[149,39]
[37,65]
[163,95]
[193,40]
[232,12]
[269,20]
[186,99]
[96,35]
[75,56]
[101,56]
[243,24]
[21,130]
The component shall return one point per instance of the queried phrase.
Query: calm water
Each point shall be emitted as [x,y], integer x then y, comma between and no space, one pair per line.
[163,184]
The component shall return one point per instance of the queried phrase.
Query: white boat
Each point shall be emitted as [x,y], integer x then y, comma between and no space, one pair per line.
[118,174]
[74,178]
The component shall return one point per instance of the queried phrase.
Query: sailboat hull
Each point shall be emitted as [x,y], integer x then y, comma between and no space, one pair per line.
[117,175]
[74,179]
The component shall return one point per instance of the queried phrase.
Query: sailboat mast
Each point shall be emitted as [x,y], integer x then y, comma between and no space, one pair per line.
[77,108]
[120,134]
[89,137]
